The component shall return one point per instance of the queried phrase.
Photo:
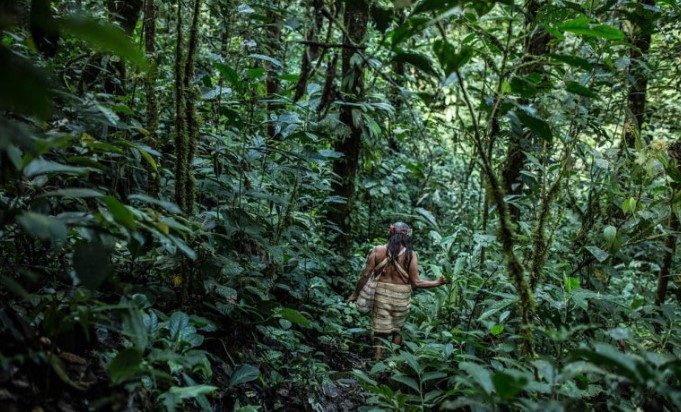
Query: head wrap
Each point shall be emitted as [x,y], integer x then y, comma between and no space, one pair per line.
[400,227]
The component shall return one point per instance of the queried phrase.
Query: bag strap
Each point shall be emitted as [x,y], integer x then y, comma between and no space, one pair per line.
[400,269]
[380,268]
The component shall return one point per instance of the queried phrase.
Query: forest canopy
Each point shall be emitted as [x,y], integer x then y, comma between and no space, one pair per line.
[189,189]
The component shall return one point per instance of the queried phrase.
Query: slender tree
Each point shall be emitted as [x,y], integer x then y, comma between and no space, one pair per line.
[642,29]
[536,44]
[150,80]
[670,240]
[356,16]
[273,45]
[180,114]
[191,114]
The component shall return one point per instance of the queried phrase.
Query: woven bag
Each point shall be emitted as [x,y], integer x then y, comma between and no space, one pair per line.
[365,301]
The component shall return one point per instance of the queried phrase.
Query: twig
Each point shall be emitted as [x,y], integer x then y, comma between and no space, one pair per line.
[332,45]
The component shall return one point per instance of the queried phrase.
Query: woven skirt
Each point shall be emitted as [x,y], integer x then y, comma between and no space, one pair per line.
[391,307]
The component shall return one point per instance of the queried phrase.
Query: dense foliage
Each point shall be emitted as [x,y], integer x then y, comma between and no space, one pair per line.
[188,189]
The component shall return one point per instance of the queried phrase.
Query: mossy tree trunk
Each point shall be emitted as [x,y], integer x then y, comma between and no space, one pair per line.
[535,45]
[180,114]
[642,29]
[193,121]
[356,16]
[273,45]
[667,260]
[150,80]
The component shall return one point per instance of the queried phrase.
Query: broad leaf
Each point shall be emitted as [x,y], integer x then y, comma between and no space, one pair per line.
[244,374]
[91,263]
[126,364]
[294,316]
[582,26]
[537,125]
[104,38]
[43,226]
[419,61]
[577,88]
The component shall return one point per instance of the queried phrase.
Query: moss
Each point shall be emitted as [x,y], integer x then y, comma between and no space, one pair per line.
[180,116]
[152,102]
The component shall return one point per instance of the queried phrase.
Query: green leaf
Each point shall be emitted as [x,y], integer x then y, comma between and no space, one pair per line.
[125,365]
[382,16]
[573,61]
[508,386]
[91,263]
[570,283]
[629,205]
[295,317]
[189,392]
[429,376]
[450,60]
[411,361]
[428,215]
[523,87]
[230,75]
[120,213]
[145,155]
[583,27]
[24,89]
[169,206]
[411,382]
[610,235]
[40,166]
[537,125]
[600,254]
[608,357]
[479,374]
[419,61]
[76,193]
[496,329]
[178,325]
[407,30]
[105,38]
[244,374]
[576,88]
[43,226]
[268,59]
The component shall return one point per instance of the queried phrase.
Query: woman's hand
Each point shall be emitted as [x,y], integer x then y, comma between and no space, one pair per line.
[442,280]
[352,297]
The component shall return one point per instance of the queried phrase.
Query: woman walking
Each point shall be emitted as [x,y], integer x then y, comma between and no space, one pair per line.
[396,268]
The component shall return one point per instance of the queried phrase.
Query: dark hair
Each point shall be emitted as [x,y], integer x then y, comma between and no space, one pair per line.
[400,237]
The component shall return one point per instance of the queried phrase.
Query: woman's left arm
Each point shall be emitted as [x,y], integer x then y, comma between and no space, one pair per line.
[364,276]
[416,280]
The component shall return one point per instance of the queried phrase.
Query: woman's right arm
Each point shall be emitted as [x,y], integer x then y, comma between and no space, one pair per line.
[368,268]
[416,280]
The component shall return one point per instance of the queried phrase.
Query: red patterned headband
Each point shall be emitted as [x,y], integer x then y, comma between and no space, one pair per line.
[403,229]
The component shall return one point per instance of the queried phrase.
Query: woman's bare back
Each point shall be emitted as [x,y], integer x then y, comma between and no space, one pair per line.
[390,273]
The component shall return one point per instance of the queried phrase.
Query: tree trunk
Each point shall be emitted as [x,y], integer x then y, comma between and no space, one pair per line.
[180,115]
[273,45]
[638,87]
[535,45]
[152,102]
[667,260]
[192,116]
[396,99]
[356,16]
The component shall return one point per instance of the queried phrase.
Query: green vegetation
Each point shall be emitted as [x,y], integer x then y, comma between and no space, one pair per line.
[188,190]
